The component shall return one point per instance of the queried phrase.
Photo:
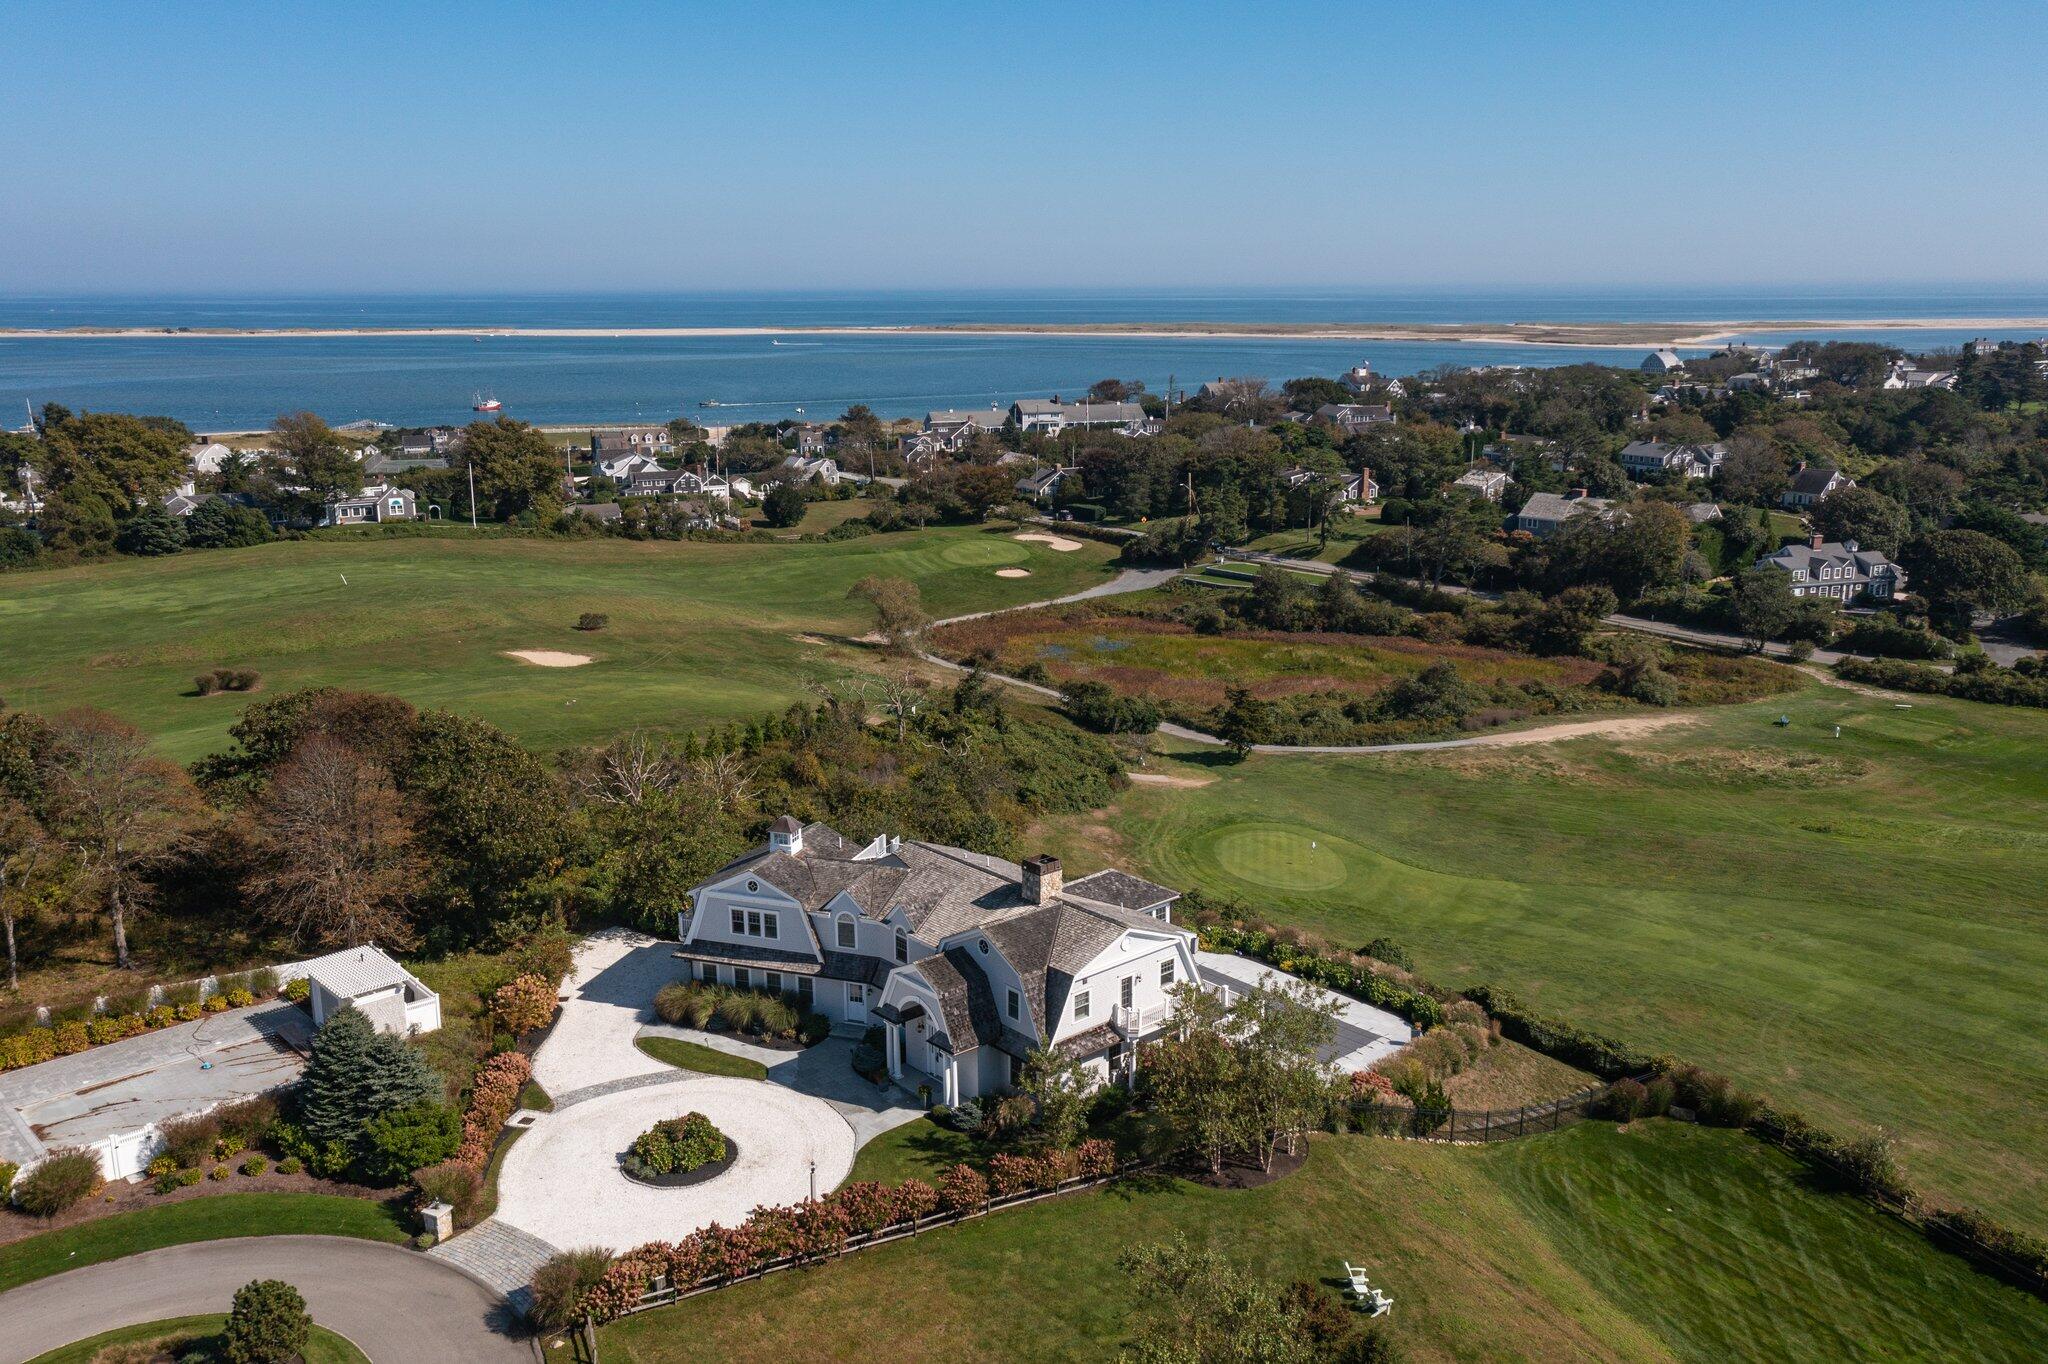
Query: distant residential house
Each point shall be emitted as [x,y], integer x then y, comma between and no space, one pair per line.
[1487,483]
[1350,417]
[378,502]
[653,480]
[739,485]
[1842,570]
[1904,375]
[1544,514]
[1050,414]
[1754,380]
[1648,458]
[182,504]
[1351,487]
[1811,484]
[437,440]
[1359,378]
[621,468]
[804,469]
[207,457]
[1042,486]
[604,513]
[634,440]
[956,423]
[810,439]
[1661,361]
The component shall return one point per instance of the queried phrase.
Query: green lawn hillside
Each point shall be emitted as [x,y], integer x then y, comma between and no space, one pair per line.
[700,633]
[1856,926]
[1659,1243]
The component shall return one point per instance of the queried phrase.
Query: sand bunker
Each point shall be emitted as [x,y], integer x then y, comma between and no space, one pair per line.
[1013,573]
[1168,779]
[548,658]
[1054,542]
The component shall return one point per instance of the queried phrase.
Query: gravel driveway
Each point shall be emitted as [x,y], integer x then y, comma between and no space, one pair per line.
[562,1181]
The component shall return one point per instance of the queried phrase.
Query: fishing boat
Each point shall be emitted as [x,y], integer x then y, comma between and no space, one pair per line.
[709,402]
[486,403]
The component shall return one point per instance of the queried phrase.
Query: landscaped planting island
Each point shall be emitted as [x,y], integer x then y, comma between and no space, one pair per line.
[678,1152]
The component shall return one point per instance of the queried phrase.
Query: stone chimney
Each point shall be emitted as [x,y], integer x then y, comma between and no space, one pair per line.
[786,835]
[1817,541]
[1042,879]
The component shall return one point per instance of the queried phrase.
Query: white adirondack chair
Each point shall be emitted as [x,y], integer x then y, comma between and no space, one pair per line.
[1359,1285]
[1379,1302]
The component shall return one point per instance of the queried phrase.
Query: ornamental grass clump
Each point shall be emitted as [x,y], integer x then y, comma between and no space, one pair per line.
[63,1180]
[676,1145]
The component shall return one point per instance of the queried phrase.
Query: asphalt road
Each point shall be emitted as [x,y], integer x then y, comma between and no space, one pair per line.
[398,1306]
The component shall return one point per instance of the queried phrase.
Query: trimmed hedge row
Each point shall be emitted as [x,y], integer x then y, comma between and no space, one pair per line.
[42,1043]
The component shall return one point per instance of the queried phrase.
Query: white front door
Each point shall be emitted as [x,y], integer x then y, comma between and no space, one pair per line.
[857,1004]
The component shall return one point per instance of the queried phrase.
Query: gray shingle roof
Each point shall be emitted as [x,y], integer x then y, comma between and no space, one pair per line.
[1113,887]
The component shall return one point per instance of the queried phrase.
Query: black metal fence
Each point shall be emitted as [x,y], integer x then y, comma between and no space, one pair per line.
[1450,1123]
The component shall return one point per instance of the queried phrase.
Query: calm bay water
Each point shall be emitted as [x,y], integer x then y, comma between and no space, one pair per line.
[229,383]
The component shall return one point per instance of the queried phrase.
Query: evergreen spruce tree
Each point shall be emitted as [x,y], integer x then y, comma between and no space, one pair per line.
[357,1073]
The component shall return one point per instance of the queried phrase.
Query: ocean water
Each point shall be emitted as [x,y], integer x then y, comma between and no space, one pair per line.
[239,383]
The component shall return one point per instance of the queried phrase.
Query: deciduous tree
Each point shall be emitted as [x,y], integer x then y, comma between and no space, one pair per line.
[119,810]
[333,857]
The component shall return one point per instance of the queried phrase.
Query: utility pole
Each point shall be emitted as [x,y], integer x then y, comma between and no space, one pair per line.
[471,469]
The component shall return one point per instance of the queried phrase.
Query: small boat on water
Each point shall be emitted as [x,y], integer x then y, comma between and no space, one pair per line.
[709,402]
[486,403]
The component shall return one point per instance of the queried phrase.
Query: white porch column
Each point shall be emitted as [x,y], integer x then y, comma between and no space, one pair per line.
[895,1045]
[952,1080]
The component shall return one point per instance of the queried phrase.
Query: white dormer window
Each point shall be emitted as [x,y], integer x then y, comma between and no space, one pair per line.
[846,931]
[902,946]
[1166,973]
[1012,1003]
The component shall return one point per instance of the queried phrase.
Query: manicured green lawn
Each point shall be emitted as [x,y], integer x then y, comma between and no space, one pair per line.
[213,1218]
[700,633]
[917,1150]
[322,1346]
[1662,1242]
[674,1051]
[1856,926]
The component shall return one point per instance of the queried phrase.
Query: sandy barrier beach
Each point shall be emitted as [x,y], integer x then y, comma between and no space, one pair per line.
[1618,335]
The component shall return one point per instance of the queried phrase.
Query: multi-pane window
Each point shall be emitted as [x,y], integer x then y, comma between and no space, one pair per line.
[846,938]
[902,946]
[1081,1004]
[773,980]
[1011,1003]
[1129,982]
[1166,973]
[756,923]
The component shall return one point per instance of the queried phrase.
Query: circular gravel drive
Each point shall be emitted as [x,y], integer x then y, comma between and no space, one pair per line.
[562,1181]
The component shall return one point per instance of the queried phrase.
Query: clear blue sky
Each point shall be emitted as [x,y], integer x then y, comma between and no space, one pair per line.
[512,147]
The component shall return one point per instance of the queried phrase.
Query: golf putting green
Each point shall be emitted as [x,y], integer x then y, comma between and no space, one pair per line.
[1278,855]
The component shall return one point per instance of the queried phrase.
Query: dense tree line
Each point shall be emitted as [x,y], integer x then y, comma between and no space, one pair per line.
[338,817]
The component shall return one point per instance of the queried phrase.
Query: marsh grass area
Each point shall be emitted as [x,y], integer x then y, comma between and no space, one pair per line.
[1852,926]
[1660,1242]
[1325,688]
[700,633]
